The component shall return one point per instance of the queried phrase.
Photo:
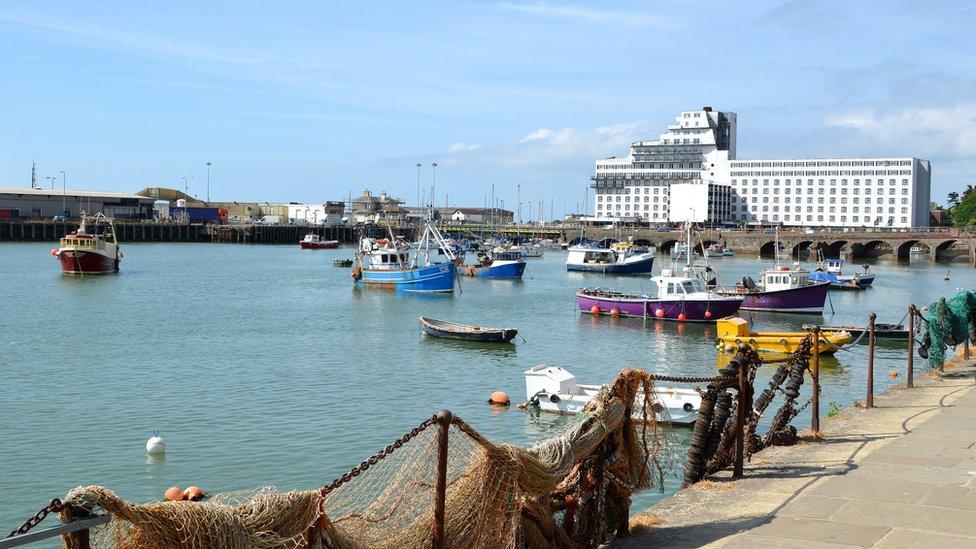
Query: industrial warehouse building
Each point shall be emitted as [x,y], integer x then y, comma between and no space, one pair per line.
[28,203]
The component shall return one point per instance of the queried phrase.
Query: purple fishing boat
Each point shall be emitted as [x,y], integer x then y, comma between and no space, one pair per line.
[782,289]
[678,298]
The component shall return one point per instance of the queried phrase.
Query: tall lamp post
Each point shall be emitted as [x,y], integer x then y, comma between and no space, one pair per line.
[185,186]
[208,182]
[418,183]
[433,187]
[51,178]
[64,193]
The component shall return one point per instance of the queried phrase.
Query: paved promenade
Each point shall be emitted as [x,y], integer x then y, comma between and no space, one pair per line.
[900,475]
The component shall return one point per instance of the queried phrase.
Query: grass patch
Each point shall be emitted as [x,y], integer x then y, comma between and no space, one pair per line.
[833,409]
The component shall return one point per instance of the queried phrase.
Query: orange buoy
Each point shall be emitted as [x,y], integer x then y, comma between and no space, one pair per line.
[173,493]
[659,313]
[708,314]
[682,317]
[595,309]
[500,398]
[54,252]
[893,374]
[615,312]
[193,493]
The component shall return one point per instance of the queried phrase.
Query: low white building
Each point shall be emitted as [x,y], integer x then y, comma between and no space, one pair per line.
[693,168]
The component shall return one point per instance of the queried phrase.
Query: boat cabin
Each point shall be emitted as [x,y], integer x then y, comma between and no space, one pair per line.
[387,260]
[593,255]
[784,278]
[833,265]
[670,286]
[508,255]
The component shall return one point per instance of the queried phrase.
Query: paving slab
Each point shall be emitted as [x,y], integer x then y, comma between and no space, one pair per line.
[902,474]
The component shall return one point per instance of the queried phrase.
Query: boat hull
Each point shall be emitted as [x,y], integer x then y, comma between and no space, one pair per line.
[865,280]
[788,342]
[488,336]
[86,262]
[507,270]
[676,406]
[807,299]
[324,245]
[433,278]
[638,266]
[694,310]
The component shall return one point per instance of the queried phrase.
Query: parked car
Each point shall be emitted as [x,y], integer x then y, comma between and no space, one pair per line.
[60,217]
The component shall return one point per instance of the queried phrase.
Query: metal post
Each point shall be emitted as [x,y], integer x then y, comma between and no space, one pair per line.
[740,420]
[870,398]
[444,418]
[911,346]
[208,182]
[965,349]
[75,540]
[815,401]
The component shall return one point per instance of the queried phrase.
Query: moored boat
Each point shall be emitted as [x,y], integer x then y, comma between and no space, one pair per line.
[497,263]
[313,241]
[620,258]
[680,298]
[452,330]
[553,389]
[340,262]
[735,331]
[835,267]
[859,333]
[92,249]
[389,263]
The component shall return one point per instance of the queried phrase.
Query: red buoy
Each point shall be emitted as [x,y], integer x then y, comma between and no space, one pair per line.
[682,317]
[193,493]
[659,313]
[595,309]
[615,312]
[173,493]
[54,252]
[708,314]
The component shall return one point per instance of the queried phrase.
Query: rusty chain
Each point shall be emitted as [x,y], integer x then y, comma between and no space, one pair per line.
[377,457]
[54,507]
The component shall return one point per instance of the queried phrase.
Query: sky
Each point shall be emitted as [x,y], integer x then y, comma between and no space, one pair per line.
[310,101]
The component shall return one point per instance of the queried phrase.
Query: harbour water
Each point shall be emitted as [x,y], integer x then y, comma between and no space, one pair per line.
[262,365]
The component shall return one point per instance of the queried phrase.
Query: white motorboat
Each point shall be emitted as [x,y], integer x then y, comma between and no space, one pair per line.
[553,389]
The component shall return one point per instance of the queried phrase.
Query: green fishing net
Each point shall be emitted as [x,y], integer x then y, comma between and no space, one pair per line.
[950,323]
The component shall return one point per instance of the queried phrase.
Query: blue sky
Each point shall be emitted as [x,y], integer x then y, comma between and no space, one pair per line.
[307,101]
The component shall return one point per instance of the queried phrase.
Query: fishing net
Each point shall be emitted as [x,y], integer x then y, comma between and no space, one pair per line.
[573,490]
[950,322]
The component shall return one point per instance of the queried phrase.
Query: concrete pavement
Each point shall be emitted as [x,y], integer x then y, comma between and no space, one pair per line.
[900,475]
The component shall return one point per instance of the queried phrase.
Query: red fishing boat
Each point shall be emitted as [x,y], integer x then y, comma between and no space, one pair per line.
[92,249]
[313,241]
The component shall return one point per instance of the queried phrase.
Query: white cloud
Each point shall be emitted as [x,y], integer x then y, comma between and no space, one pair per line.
[461,146]
[935,131]
[554,149]
[590,15]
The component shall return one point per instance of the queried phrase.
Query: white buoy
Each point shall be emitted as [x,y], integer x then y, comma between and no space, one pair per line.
[156,445]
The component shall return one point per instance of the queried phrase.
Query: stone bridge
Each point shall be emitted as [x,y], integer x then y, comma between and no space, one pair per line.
[936,245]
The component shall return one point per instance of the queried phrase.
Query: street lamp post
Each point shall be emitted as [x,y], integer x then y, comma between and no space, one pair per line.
[64,192]
[208,182]
[51,178]
[433,187]
[418,183]
[185,187]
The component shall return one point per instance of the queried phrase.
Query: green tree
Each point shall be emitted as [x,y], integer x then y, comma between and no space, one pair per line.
[953,199]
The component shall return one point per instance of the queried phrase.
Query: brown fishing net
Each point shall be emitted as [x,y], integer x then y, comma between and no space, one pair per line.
[570,491]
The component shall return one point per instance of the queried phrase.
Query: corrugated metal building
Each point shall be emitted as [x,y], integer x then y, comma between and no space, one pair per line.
[25,202]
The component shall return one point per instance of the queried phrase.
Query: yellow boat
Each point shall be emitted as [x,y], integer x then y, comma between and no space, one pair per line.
[734,331]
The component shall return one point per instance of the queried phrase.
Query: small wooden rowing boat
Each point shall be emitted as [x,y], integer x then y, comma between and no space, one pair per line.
[451,330]
[339,262]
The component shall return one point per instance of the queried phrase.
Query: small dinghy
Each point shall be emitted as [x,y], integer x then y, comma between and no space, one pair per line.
[553,389]
[339,262]
[451,330]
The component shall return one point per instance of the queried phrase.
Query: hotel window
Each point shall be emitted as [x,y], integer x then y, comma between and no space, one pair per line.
[831,219]
[819,218]
[904,220]
[855,209]
[904,210]
[891,210]
[855,219]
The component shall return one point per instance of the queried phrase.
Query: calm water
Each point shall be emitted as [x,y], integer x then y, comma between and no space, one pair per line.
[262,365]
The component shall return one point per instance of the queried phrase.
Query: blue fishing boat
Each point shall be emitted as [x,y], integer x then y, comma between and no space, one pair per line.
[393,264]
[498,263]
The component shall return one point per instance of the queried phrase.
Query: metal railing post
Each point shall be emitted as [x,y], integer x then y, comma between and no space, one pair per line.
[444,418]
[815,374]
[740,423]
[75,540]
[870,397]
[911,346]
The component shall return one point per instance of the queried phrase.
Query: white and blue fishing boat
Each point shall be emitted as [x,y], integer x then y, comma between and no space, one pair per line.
[393,264]
[498,263]
[834,267]
[620,258]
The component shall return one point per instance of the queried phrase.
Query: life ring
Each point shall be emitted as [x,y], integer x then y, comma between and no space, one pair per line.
[752,342]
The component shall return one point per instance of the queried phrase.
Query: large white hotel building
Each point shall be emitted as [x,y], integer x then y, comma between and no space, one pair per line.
[691,173]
